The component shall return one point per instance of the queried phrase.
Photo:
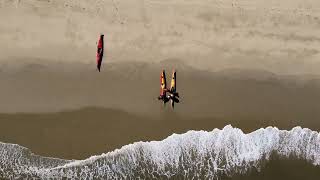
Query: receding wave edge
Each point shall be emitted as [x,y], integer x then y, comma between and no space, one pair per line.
[194,154]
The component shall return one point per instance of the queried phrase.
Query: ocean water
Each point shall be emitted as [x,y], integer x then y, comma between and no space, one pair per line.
[217,154]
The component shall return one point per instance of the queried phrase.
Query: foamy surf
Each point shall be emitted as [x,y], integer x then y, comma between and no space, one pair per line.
[195,154]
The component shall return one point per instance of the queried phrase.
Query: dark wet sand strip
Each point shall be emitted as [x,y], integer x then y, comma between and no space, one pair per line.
[90,131]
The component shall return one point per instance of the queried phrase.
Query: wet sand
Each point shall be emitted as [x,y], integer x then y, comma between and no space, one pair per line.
[91,131]
[78,114]
[134,87]
[280,169]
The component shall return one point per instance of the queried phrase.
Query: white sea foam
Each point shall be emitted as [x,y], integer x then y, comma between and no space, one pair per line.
[197,154]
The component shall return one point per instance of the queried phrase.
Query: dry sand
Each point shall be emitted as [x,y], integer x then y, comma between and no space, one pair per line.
[280,36]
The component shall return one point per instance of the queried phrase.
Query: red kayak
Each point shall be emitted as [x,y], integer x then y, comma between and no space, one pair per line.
[100,51]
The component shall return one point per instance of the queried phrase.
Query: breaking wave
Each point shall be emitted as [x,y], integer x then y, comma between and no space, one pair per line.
[195,154]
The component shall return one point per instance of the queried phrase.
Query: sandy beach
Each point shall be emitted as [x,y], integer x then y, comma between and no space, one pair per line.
[251,64]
